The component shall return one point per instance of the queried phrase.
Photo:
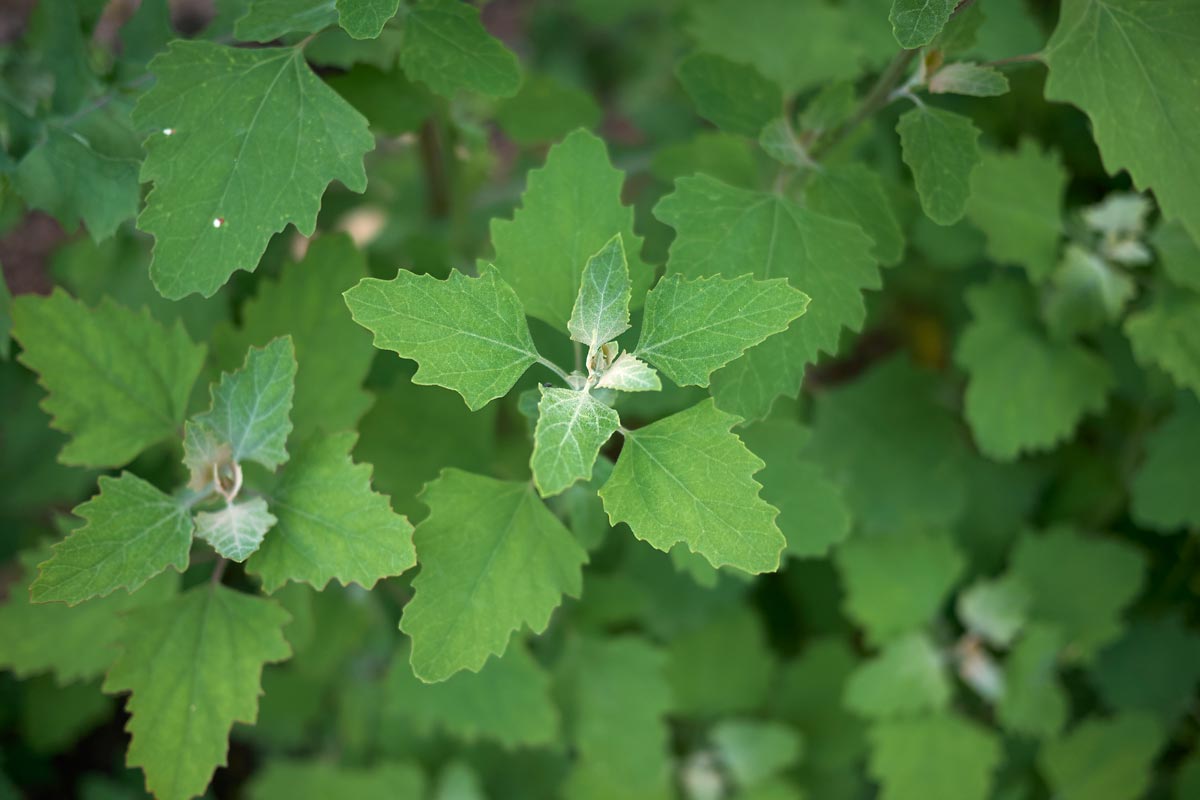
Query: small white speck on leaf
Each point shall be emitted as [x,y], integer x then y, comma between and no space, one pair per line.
[219,222]
[168,131]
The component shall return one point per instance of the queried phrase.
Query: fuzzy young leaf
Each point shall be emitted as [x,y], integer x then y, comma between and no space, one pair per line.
[508,701]
[941,757]
[942,150]
[973,80]
[628,374]
[118,381]
[570,209]
[247,140]
[132,533]
[1024,391]
[1167,335]
[1132,67]
[692,328]
[916,23]
[330,524]
[493,558]
[250,412]
[688,478]
[734,97]
[601,311]
[1017,201]
[467,334]
[1164,487]
[447,48]
[237,530]
[572,426]
[723,230]
[193,666]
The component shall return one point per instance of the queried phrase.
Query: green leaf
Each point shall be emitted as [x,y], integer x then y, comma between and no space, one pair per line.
[241,122]
[132,533]
[545,110]
[333,354]
[1163,492]
[572,426]
[68,178]
[1017,201]
[508,701]
[601,311]
[447,48]
[315,780]
[908,677]
[267,20]
[812,512]
[618,700]
[1153,668]
[393,104]
[1033,702]
[1131,66]
[896,452]
[896,584]
[570,209]
[724,667]
[809,693]
[1080,584]
[942,150]
[250,412]
[939,757]
[995,610]
[854,193]
[692,328]
[193,667]
[688,478]
[237,530]
[628,374]
[754,751]
[1104,759]
[467,334]
[723,230]
[1086,293]
[493,558]
[330,525]
[973,80]
[1024,392]
[916,23]
[118,381]
[734,97]
[364,19]
[75,643]
[1178,254]
[1166,335]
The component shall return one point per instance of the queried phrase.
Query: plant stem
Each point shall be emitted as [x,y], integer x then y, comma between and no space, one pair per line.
[557,370]
[433,162]
[876,98]
[219,571]
[1022,59]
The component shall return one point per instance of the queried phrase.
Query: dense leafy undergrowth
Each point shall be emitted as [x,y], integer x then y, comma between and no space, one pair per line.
[598,399]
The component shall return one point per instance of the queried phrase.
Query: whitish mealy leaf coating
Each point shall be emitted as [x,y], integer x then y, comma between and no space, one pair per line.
[571,428]
[601,311]
[236,530]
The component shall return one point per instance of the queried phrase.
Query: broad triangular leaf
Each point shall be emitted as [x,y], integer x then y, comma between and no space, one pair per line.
[572,426]
[330,525]
[364,19]
[236,530]
[118,381]
[571,207]
[688,478]
[1024,391]
[916,23]
[193,666]
[246,141]
[250,412]
[601,311]
[907,677]
[467,334]
[447,48]
[942,150]
[855,193]
[133,532]
[1132,66]
[493,558]
[1104,759]
[734,97]
[723,230]
[941,757]
[692,328]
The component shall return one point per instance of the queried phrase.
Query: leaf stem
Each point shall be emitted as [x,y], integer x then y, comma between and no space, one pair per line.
[1022,59]
[878,97]
[557,370]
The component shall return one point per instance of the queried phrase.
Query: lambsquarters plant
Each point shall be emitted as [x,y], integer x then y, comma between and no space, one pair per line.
[767,399]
